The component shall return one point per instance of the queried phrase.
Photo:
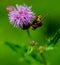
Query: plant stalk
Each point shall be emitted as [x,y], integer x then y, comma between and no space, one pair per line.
[43,58]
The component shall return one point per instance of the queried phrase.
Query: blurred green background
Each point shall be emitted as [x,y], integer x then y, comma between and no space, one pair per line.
[17,36]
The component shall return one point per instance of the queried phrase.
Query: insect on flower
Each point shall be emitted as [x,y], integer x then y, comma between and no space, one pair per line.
[23,17]
[37,22]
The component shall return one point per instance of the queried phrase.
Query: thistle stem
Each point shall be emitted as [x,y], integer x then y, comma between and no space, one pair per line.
[29,34]
[32,42]
[43,58]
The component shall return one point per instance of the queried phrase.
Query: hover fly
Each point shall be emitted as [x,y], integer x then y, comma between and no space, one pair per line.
[37,22]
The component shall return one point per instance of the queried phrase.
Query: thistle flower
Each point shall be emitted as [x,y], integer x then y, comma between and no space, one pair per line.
[21,16]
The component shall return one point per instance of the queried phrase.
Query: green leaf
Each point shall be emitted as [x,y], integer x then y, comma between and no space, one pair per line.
[16,48]
[55,39]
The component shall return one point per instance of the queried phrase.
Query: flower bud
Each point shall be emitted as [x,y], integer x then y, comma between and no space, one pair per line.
[41,48]
[10,8]
[32,43]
